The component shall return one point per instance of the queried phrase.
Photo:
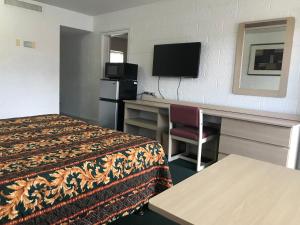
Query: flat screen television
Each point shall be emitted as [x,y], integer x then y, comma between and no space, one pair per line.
[177,60]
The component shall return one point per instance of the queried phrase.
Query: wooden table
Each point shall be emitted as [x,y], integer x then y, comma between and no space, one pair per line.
[234,191]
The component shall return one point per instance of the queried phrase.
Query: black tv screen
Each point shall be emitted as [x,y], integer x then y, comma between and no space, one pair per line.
[177,60]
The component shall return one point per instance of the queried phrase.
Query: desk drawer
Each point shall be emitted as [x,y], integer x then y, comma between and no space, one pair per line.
[252,149]
[265,133]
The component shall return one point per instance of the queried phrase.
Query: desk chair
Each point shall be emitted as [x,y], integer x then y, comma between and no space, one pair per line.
[186,125]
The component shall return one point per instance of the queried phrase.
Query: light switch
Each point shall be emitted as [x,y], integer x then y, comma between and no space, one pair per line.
[18,42]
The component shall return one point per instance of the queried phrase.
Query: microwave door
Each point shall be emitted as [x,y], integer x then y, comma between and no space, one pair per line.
[113,70]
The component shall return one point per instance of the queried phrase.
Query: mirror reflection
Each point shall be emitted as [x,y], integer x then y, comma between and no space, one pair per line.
[262,59]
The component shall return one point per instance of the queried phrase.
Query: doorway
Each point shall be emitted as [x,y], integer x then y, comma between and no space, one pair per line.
[114,47]
[118,48]
[79,73]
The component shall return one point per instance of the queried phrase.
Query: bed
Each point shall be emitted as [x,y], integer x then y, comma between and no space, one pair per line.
[59,170]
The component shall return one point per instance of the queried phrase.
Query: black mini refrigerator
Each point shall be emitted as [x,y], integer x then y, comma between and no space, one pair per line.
[112,96]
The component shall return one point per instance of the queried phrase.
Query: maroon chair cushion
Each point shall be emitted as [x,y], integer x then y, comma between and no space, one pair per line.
[192,133]
[185,115]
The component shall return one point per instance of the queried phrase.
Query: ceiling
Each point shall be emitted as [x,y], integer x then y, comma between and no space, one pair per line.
[96,7]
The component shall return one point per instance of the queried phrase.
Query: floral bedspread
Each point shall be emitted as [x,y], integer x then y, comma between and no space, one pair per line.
[58,170]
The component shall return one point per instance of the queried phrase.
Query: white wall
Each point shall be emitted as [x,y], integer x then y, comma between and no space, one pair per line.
[215,24]
[29,78]
[79,73]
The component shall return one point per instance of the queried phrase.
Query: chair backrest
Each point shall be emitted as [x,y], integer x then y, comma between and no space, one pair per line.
[185,115]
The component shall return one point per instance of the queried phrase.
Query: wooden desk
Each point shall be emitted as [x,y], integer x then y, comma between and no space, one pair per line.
[234,191]
[271,137]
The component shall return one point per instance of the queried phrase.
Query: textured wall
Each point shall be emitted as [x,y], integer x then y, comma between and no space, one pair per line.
[29,78]
[215,24]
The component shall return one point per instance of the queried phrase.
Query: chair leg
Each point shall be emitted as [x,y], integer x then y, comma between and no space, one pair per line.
[217,149]
[187,148]
[199,153]
[170,148]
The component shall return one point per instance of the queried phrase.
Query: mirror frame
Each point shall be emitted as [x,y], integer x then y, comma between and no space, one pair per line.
[290,27]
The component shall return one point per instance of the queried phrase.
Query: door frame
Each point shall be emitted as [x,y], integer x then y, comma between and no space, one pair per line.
[105,45]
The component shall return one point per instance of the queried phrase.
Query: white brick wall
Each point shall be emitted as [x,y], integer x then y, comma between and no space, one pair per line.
[214,23]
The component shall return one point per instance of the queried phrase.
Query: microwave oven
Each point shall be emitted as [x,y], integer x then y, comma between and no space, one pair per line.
[121,71]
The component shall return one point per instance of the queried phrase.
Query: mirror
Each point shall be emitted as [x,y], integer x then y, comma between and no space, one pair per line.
[263,57]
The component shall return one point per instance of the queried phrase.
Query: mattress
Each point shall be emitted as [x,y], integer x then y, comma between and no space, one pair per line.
[58,170]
